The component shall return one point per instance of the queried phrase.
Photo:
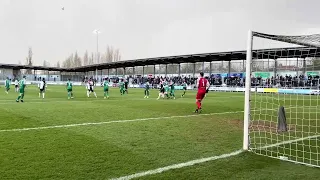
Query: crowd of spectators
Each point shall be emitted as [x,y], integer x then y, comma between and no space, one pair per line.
[277,81]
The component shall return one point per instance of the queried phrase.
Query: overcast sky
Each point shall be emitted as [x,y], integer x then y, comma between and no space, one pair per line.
[144,28]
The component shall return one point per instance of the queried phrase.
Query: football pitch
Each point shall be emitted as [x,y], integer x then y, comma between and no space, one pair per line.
[130,137]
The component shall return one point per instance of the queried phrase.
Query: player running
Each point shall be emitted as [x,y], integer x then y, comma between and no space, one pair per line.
[7,85]
[106,88]
[42,87]
[16,85]
[69,89]
[22,86]
[126,86]
[121,86]
[166,90]
[161,91]
[203,86]
[184,86]
[172,90]
[90,90]
[146,90]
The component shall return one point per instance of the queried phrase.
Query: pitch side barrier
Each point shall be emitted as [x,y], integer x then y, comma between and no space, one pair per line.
[305,91]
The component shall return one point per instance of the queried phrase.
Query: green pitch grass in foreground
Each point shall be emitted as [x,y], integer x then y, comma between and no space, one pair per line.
[114,149]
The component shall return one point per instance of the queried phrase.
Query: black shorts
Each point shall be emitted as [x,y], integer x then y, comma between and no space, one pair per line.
[90,89]
[184,88]
[16,86]
[42,90]
[162,90]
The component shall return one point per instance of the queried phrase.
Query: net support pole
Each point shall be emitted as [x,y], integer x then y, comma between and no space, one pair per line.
[247,92]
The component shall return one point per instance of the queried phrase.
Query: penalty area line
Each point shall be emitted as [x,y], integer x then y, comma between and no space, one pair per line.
[178,166]
[112,122]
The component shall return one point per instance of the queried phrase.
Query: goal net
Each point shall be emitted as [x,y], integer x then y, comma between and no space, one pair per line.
[282,118]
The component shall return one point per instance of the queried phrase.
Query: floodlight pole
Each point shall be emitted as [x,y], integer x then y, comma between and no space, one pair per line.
[97,32]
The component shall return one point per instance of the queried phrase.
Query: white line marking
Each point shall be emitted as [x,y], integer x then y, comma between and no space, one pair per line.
[203,160]
[177,166]
[288,142]
[111,122]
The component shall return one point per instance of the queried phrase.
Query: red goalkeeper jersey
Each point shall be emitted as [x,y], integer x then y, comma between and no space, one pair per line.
[202,84]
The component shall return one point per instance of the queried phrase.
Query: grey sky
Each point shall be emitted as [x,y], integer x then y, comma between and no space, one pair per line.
[144,28]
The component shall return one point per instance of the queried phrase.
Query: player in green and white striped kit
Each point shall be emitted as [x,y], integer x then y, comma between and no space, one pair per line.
[121,86]
[69,89]
[184,85]
[22,86]
[7,85]
[146,90]
[106,88]
[172,90]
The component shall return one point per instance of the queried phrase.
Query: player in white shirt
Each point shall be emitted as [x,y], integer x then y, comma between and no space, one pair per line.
[42,87]
[16,85]
[90,88]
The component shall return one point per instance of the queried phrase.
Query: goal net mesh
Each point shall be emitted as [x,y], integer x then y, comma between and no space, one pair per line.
[284,98]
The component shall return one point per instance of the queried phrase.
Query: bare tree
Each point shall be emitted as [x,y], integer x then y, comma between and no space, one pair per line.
[76,60]
[116,56]
[58,64]
[109,54]
[68,63]
[46,63]
[29,61]
[86,59]
[91,59]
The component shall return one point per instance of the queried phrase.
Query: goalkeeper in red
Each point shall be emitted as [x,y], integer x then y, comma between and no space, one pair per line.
[203,87]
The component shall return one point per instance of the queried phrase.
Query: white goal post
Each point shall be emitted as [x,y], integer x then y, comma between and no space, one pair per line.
[282,102]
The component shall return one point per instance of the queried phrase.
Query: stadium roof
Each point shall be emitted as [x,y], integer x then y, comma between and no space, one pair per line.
[18,66]
[293,52]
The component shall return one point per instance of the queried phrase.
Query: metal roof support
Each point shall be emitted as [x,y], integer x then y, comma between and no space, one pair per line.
[154,70]
[304,66]
[229,68]
[203,66]
[297,65]
[210,69]
[194,70]
[243,66]
[96,74]
[101,72]
[275,68]
[179,70]
[166,70]
[142,71]
[134,71]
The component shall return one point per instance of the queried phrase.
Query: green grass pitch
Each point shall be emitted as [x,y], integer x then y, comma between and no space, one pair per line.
[163,133]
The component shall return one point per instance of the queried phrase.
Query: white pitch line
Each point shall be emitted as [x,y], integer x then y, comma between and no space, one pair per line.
[203,160]
[111,122]
[178,166]
[288,142]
